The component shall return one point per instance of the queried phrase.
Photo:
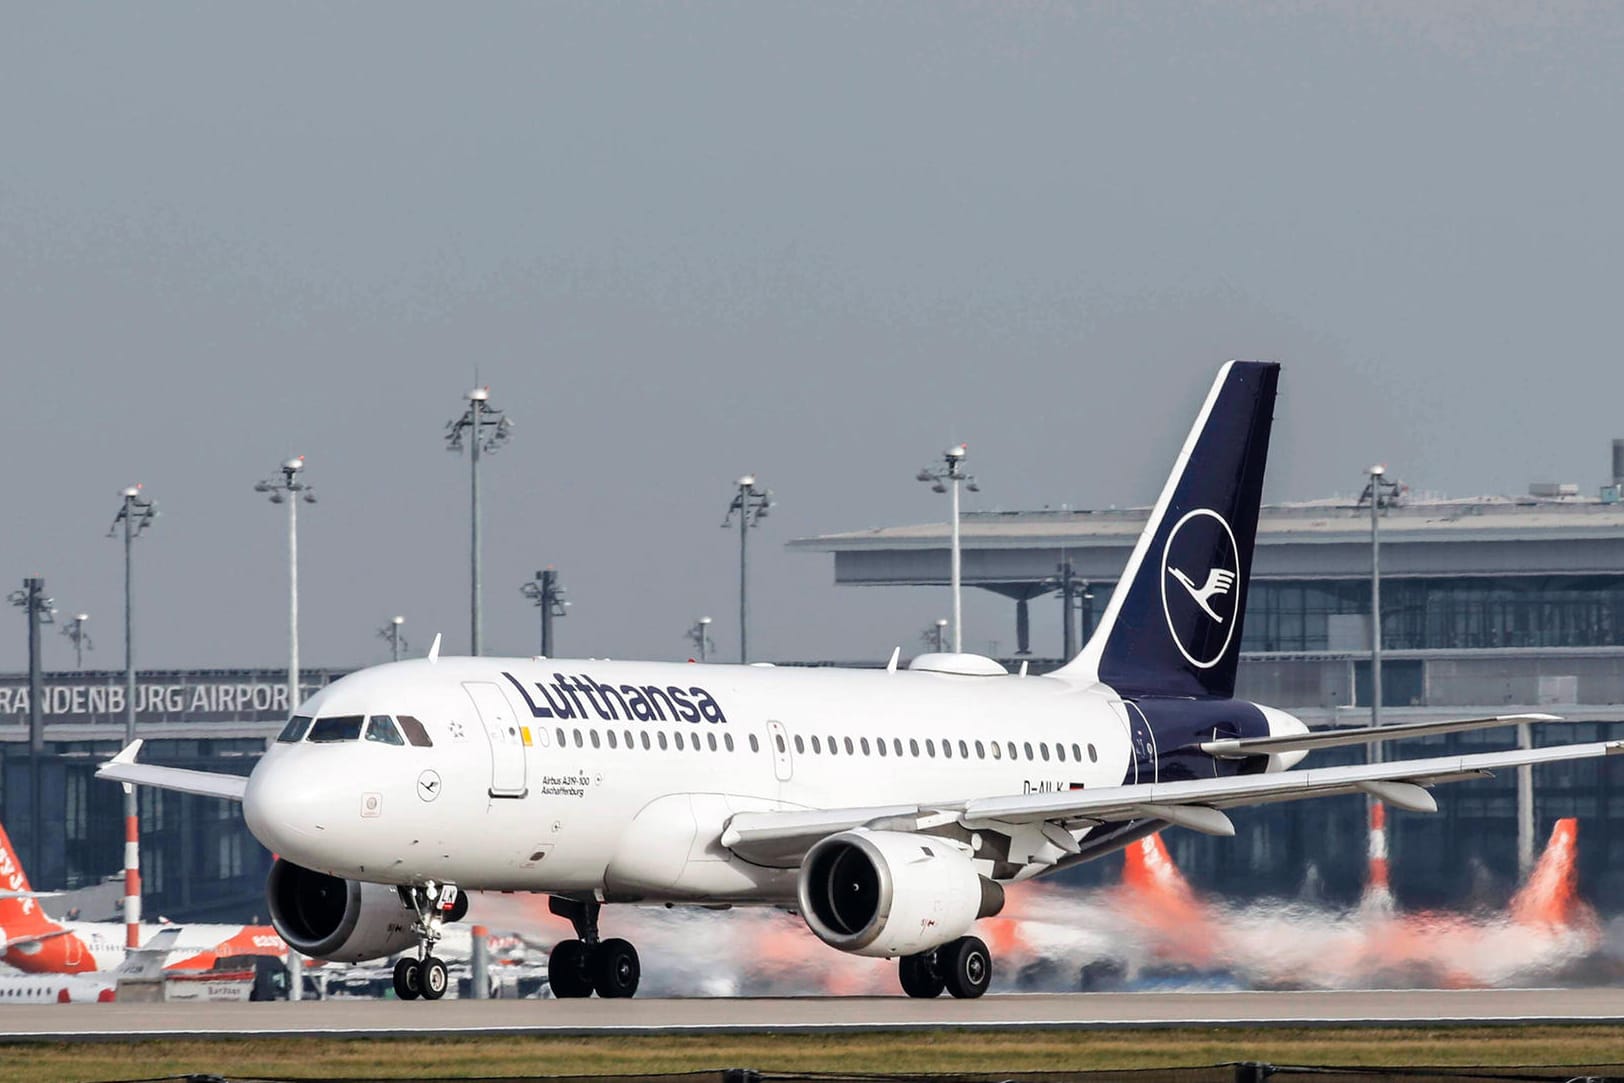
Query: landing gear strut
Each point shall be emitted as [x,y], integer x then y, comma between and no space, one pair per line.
[434,904]
[586,964]
[963,967]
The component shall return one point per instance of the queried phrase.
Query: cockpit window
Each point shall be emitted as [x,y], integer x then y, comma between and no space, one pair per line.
[381,728]
[417,735]
[294,731]
[344,727]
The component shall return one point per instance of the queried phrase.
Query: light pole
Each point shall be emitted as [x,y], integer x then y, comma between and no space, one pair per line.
[751,506]
[391,632]
[952,471]
[136,512]
[75,631]
[486,431]
[39,610]
[700,636]
[546,593]
[290,489]
[936,634]
[1073,590]
[1379,493]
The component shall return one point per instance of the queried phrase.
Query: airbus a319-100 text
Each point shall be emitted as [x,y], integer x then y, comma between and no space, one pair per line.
[888,808]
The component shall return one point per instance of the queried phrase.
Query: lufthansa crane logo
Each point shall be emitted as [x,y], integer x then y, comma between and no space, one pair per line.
[1200,577]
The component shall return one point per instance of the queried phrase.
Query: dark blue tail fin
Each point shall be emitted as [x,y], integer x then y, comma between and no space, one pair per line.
[1173,626]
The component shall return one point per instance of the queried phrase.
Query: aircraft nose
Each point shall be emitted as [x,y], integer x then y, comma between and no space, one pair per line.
[281,806]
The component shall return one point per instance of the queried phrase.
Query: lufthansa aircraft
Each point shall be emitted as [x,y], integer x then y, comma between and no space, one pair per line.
[887,808]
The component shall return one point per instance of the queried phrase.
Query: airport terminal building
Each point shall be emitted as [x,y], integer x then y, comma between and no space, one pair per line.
[1489,606]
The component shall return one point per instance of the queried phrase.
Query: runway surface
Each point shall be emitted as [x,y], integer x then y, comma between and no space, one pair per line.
[359,1018]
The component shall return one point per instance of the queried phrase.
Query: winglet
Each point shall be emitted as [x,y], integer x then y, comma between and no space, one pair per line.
[129,752]
[434,649]
[896,655]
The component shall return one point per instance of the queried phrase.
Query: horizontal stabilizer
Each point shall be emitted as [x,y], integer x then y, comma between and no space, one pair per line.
[1234,748]
[123,768]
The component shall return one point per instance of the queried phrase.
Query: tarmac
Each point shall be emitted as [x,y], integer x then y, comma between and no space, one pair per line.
[370,1018]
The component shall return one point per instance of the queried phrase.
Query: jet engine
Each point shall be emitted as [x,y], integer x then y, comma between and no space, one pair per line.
[887,893]
[325,917]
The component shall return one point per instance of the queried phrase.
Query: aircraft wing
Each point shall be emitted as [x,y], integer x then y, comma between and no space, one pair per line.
[1241,747]
[778,838]
[123,768]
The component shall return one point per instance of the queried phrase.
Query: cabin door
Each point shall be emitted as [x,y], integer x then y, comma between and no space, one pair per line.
[502,730]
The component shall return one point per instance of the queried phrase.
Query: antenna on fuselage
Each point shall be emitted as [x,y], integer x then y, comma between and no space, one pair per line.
[434,649]
[896,656]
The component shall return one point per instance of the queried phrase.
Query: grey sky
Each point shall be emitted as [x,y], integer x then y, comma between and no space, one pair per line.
[820,242]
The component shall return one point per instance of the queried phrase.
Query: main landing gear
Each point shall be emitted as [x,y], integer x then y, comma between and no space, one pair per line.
[434,904]
[579,967]
[963,967]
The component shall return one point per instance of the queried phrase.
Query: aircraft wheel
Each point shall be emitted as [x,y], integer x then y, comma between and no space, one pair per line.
[434,978]
[966,967]
[408,979]
[615,969]
[919,975]
[567,971]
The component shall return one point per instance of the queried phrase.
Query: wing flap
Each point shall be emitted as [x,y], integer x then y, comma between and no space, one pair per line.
[1241,747]
[123,768]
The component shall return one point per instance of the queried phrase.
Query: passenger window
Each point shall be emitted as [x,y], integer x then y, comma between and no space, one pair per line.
[981,751]
[800,745]
[817,745]
[563,739]
[381,728]
[645,741]
[710,739]
[578,741]
[1060,751]
[964,751]
[930,748]
[294,731]
[865,746]
[661,738]
[629,742]
[896,745]
[947,750]
[850,750]
[913,746]
[879,745]
[834,749]
[1043,749]
[418,736]
[612,742]
[1093,756]
[594,735]
[678,739]
[1076,753]
[755,745]
[727,738]
[1027,748]
[345,727]
[997,751]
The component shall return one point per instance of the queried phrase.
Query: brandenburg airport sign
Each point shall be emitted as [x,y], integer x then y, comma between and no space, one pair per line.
[241,696]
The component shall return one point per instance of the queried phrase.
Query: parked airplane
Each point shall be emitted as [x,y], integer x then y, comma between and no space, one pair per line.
[145,962]
[36,943]
[889,808]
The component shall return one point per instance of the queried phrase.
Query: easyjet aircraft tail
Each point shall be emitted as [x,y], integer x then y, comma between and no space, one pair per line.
[1551,895]
[1173,625]
[20,913]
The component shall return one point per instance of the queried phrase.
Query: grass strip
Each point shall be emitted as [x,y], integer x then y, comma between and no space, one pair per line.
[931,1051]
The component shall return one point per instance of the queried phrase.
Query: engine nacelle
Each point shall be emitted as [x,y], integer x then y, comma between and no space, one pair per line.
[887,893]
[325,917]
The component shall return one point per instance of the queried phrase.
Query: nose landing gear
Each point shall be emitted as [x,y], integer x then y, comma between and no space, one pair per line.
[579,967]
[434,904]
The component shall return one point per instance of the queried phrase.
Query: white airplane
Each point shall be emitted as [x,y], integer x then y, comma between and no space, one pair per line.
[887,808]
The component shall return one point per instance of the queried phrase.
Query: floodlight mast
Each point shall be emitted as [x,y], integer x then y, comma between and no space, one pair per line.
[946,479]
[546,593]
[136,513]
[39,610]
[75,631]
[750,505]
[699,635]
[487,431]
[391,632]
